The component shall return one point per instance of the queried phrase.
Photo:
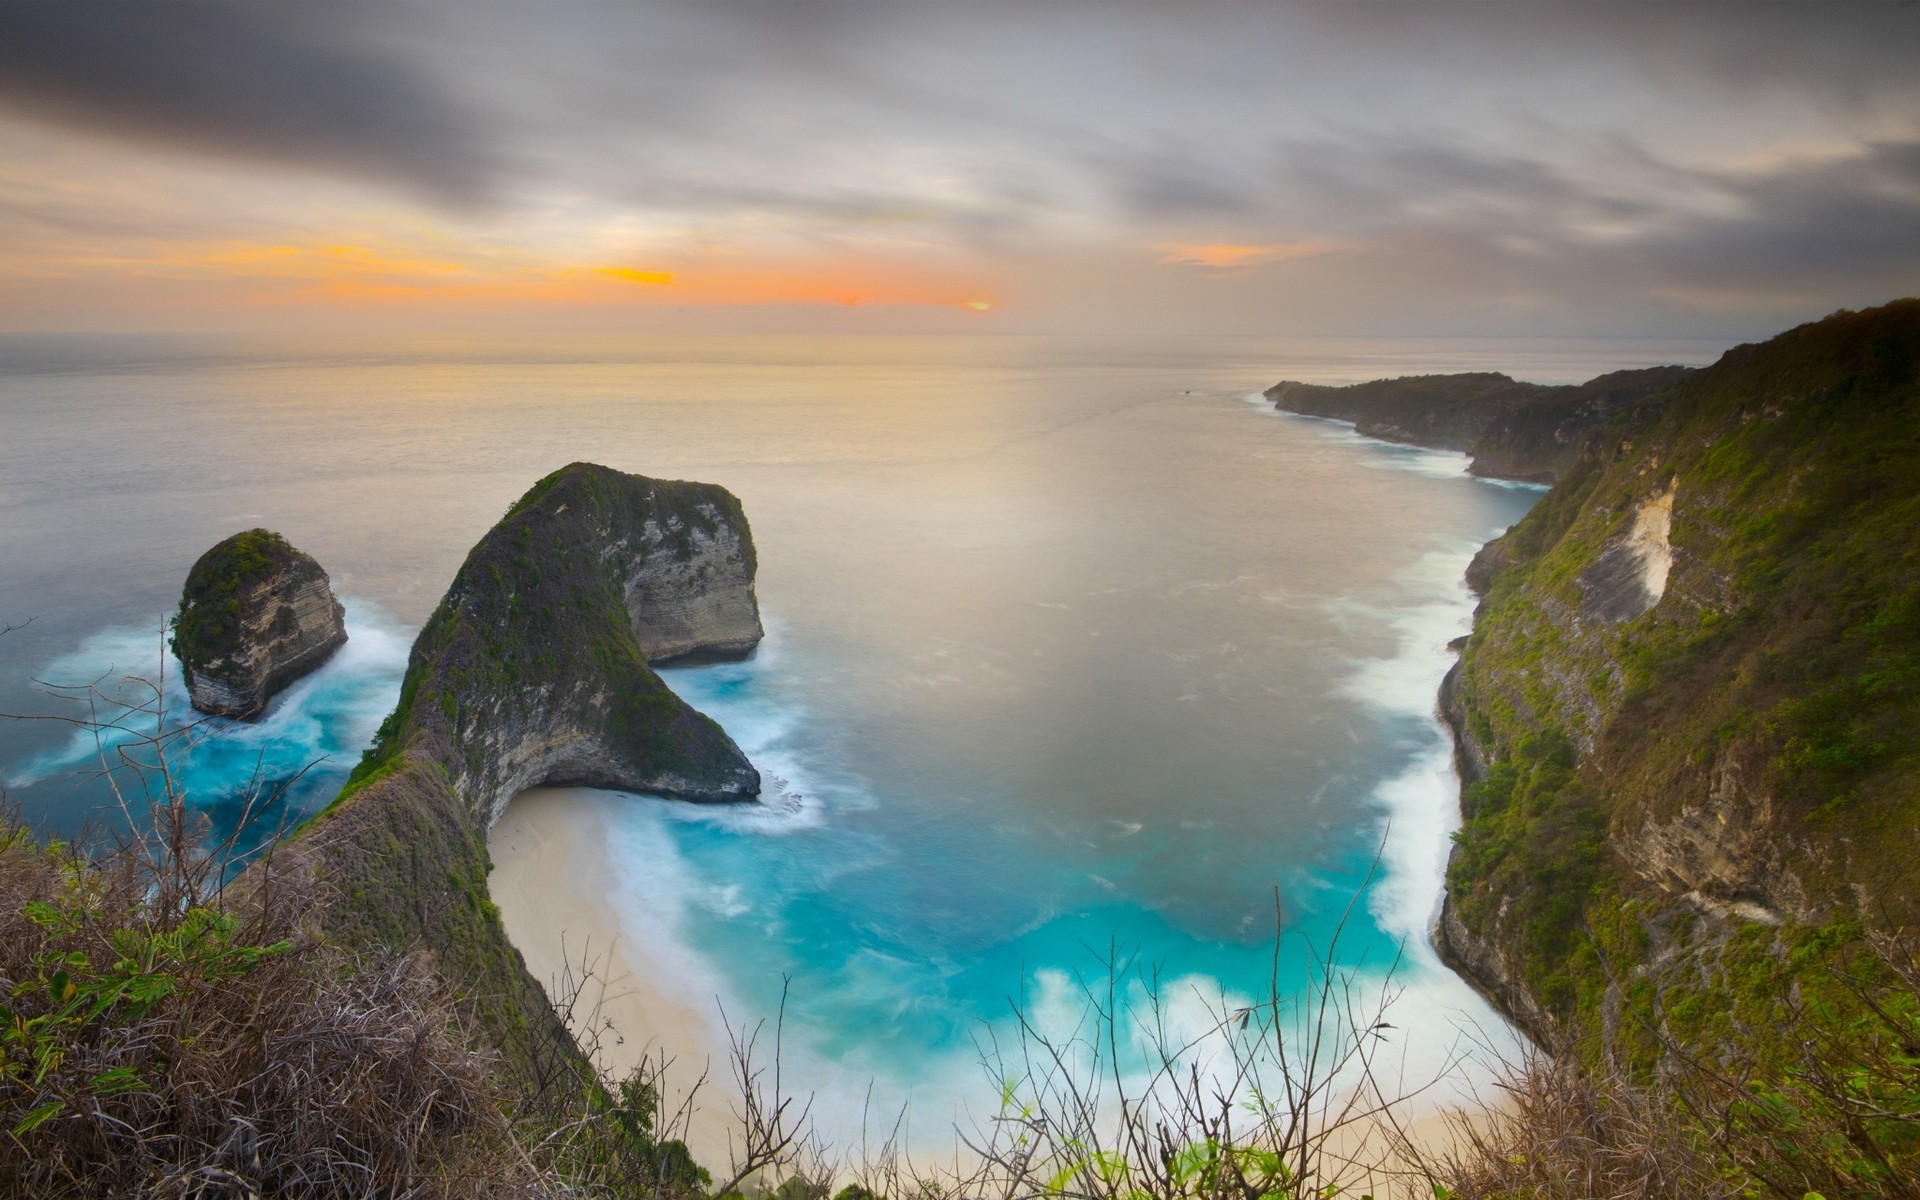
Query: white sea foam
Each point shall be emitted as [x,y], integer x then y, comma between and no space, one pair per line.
[857,1092]
[1420,804]
[654,891]
[744,698]
[1229,1041]
[324,718]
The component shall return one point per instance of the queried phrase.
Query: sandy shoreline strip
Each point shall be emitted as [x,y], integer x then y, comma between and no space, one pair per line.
[556,884]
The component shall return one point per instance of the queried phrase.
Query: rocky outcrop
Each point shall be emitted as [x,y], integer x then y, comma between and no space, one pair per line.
[1512,430]
[535,667]
[535,670]
[1725,848]
[1483,963]
[255,615]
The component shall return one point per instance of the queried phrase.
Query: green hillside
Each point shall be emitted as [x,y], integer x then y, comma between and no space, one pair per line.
[1686,803]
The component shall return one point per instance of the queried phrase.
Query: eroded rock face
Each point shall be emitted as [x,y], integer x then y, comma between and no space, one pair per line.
[1630,575]
[1482,962]
[688,587]
[535,668]
[255,615]
[1727,849]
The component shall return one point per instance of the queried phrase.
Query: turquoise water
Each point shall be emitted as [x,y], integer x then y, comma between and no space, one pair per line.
[1074,649]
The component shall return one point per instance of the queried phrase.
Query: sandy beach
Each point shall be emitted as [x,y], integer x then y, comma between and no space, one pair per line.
[557,887]
[555,884]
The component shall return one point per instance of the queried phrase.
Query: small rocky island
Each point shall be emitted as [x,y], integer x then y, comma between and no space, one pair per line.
[255,615]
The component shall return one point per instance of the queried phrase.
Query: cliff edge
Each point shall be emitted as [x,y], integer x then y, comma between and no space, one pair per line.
[1688,716]
[255,615]
[535,670]
[1512,430]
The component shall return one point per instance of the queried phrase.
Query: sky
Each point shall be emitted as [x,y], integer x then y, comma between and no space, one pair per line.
[1704,169]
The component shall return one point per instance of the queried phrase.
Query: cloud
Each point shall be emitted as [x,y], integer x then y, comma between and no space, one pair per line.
[1578,156]
[1807,220]
[280,83]
[1221,257]
[633,275]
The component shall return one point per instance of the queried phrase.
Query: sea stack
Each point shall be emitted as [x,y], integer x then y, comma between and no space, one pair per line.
[255,615]
[535,667]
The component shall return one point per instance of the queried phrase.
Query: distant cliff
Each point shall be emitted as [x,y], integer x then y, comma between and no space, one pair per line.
[255,615]
[534,670]
[1689,712]
[1512,430]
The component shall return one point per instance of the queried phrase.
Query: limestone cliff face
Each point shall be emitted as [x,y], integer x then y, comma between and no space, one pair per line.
[696,602]
[534,670]
[1688,717]
[255,615]
[1512,430]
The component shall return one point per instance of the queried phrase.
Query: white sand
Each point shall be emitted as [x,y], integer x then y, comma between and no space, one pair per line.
[554,882]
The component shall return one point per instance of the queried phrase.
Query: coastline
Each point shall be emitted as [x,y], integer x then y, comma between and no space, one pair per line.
[565,896]
[1453,948]
[556,886]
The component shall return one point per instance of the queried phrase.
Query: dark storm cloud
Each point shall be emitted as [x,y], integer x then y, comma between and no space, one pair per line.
[290,83]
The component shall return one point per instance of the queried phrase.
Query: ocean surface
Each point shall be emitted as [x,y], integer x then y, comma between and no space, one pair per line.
[1075,650]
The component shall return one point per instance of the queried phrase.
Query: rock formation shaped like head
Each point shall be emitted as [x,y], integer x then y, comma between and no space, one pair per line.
[535,667]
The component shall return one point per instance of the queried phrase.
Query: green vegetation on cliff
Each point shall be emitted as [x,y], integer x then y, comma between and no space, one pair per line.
[1690,719]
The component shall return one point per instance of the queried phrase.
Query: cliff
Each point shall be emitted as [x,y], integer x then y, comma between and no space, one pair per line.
[534,670]
[1512,430]
[1688,716]
[255,615]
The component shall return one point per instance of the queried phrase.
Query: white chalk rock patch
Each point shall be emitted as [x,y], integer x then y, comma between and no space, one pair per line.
[1630,575]
[1648,541]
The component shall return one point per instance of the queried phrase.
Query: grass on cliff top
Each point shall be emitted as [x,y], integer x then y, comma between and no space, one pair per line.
[152,1032]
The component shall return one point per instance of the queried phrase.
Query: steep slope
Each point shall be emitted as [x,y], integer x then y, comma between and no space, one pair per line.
[255,615]
[1689,712]
[534,670]
[1512,430]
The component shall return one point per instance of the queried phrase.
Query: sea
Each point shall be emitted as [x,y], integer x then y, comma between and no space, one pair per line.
[1089,678]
